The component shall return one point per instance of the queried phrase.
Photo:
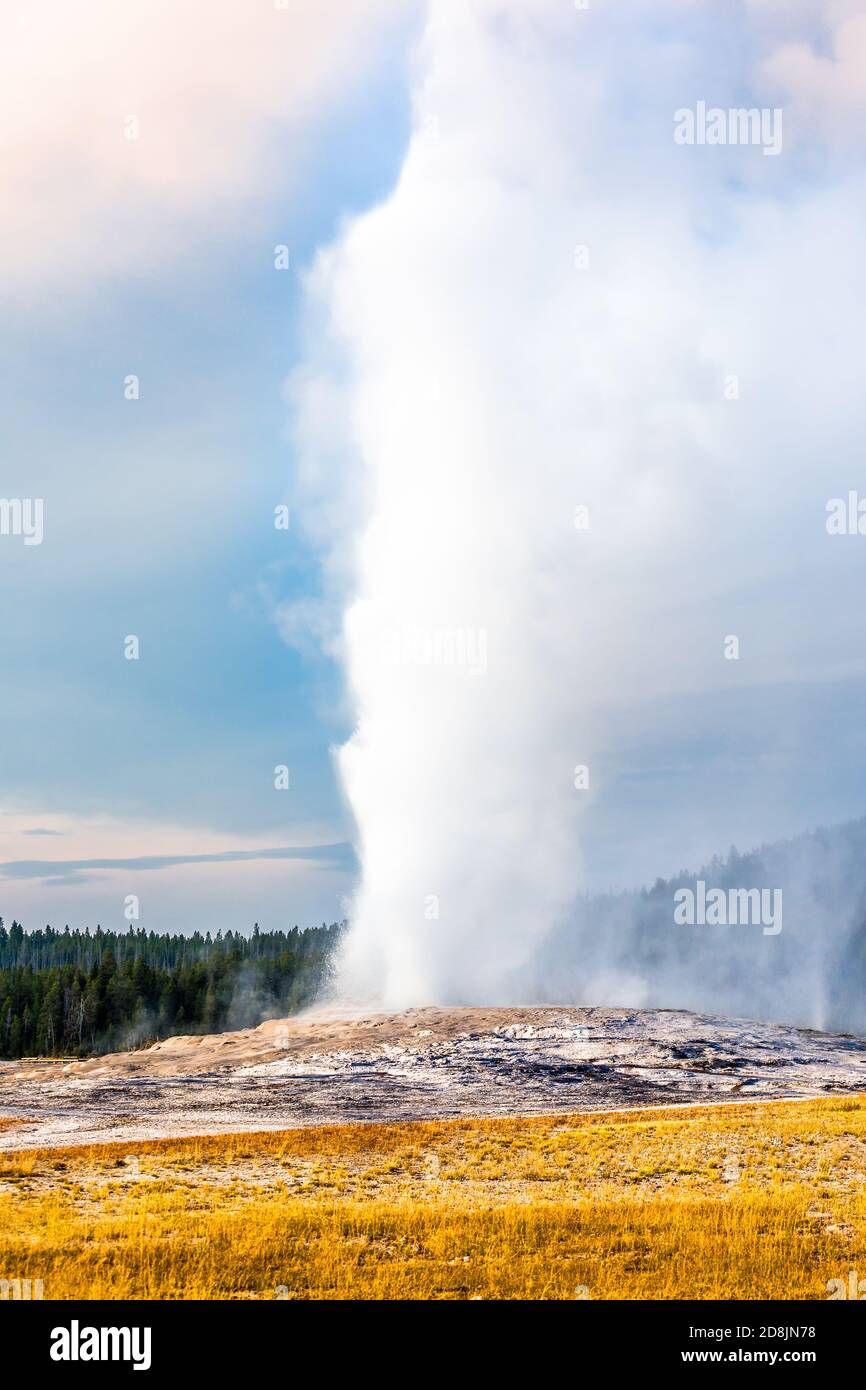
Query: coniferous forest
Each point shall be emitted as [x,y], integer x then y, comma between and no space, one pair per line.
[74,993]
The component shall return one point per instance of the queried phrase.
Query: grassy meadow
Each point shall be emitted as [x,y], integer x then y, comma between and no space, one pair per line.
[742,1201]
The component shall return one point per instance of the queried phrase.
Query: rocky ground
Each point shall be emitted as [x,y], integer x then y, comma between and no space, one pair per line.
[328,1067]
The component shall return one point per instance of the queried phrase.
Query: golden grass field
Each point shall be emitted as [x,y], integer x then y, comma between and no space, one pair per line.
[742,1201]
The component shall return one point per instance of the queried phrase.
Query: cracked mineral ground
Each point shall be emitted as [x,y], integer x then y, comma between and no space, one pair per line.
[331,1067]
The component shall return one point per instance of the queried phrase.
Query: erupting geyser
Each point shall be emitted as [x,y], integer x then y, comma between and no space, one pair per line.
[518,427]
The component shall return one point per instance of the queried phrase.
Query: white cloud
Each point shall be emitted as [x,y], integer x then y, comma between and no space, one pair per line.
[223,90]
[825,91]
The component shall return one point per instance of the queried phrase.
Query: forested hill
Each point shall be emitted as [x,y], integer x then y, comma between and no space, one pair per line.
[629,949]
[73,993]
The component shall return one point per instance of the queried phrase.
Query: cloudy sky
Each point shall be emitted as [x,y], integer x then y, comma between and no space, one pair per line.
[432,169]
[258,127]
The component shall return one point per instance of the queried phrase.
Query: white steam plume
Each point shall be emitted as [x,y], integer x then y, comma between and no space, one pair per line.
[547,313]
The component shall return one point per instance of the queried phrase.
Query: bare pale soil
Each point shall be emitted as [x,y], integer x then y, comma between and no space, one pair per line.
[422,1064]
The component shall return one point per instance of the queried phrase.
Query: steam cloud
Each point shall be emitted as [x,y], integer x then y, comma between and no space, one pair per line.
[561,307]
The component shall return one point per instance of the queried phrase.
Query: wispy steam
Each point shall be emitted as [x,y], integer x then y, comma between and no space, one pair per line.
[575,395]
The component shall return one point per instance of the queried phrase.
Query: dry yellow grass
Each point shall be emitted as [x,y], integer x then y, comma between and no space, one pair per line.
[746,1201]
[10,1121]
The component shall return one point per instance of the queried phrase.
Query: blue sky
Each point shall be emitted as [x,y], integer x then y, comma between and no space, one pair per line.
[159,522]
[262,126]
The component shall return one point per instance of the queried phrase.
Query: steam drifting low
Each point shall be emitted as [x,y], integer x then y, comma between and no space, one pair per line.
[563,431]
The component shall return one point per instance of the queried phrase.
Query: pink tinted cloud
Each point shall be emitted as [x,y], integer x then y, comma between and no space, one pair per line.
[222,91]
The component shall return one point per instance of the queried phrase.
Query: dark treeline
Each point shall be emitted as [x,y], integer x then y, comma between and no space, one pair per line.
[74,993]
